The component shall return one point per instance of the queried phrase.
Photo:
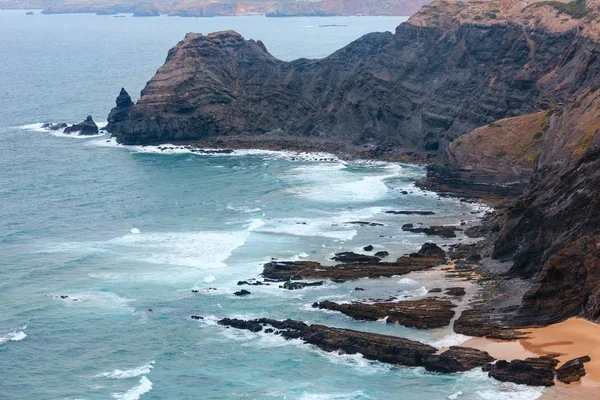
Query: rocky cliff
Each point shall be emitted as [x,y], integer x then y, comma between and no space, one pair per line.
[450,68]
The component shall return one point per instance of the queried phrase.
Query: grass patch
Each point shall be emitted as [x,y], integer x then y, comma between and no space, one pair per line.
[494,125]
[549,113]
[490,15]
[501,153]
[458,142]
[576,8]
[538,135]
[595,87]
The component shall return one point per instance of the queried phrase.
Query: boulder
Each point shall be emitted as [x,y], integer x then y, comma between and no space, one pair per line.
[242,292]
[350,257]
[538,371]
[572,370]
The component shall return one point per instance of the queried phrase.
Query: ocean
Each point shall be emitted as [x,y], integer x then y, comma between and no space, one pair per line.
[102,245]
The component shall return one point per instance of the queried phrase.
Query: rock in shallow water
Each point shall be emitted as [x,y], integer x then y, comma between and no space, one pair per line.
[87,127]
[425,313]
[572,370]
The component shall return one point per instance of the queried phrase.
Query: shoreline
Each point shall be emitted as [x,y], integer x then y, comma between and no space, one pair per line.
[572,338]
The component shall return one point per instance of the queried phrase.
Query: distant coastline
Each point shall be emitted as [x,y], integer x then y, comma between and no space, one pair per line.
[280,8]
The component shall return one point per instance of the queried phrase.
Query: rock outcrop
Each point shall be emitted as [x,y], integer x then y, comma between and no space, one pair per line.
[87,127]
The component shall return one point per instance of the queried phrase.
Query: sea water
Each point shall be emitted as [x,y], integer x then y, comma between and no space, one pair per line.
[102,245]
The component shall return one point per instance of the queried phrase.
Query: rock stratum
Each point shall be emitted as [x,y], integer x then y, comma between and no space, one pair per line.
[212,8]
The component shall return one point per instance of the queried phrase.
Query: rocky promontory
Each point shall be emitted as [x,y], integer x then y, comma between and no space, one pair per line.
[452,67]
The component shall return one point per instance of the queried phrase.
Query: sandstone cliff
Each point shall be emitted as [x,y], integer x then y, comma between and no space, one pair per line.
[452,67]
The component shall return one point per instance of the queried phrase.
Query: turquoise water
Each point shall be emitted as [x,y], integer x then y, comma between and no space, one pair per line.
[128,233]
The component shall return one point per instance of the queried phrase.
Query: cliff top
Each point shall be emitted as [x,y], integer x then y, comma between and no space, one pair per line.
[555,15]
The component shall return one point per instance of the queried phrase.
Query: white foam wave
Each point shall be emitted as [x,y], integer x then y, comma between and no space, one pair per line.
[333,227]
[522,394]
[452,339]
[170,149]
[128,373]
[455,395]
[333,396]
[144,386]
[336,183]
[134,230]
[246,210]
[14,336]
[209,279]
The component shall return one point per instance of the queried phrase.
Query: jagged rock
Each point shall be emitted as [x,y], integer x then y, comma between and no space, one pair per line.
[195,317]
[300,285]
[531,371]
[435,290]
[87,127]
[120,112]
[572,370]
[443,231]
[428,256]
[368,248]
[382,254]
[425,313]
[242,292]
[350,257]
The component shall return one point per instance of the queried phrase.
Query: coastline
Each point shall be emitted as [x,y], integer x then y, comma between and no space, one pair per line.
[570,339]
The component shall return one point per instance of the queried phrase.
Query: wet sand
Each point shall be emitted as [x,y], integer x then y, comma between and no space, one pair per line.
[572,338]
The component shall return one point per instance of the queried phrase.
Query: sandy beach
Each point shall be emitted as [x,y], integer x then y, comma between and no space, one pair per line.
[572,338]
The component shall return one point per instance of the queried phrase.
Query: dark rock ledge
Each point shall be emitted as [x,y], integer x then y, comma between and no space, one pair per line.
[428,256]
[425,313]
[383,348]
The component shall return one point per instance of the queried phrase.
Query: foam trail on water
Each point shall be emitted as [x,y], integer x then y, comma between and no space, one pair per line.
[135,392]
[14,336]
[129,373]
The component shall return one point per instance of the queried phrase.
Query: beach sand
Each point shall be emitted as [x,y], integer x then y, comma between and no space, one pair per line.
[572,338]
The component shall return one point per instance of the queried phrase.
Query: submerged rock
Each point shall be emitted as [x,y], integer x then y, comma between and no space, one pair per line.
[54,127]
[300,285]
[242,292]
[443,231]
[350,257]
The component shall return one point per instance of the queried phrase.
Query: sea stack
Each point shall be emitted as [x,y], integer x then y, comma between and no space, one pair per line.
[119,113]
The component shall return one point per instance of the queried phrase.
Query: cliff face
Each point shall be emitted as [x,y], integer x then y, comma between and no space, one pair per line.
[553,231]
[451,68]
